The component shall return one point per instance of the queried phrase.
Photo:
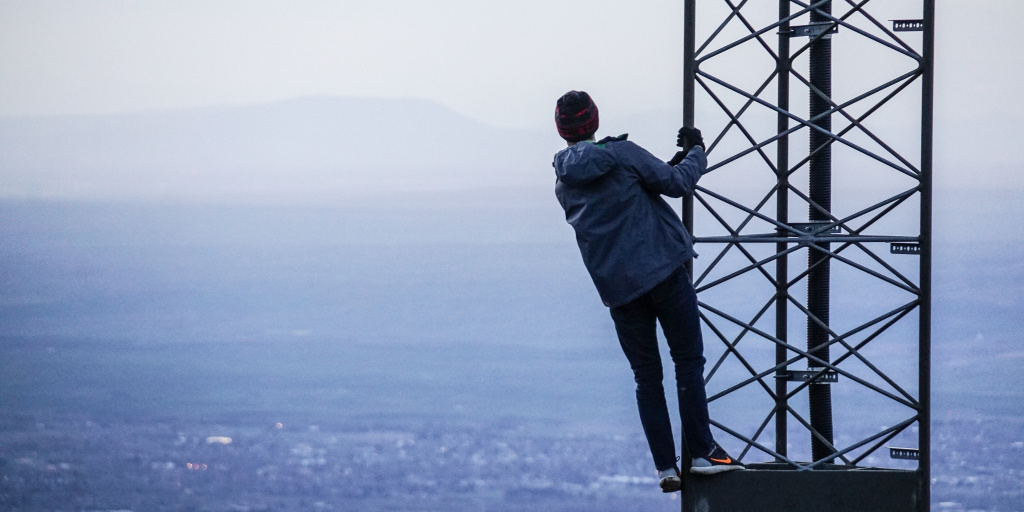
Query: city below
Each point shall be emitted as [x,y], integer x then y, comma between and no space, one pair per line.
[83,465]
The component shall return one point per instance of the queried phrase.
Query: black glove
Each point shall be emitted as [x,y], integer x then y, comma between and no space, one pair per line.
[689,137]
[679,156]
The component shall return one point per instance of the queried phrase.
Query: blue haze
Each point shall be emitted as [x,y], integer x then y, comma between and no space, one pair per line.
[450,312]
[385,318]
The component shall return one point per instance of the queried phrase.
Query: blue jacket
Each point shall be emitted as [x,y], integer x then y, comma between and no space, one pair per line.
[630,238]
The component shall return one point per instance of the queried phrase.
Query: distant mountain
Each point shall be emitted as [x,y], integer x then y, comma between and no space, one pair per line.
[310,147]
[333,148]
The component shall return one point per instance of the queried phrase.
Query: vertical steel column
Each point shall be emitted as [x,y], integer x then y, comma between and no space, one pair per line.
[689,46]
[818,263]
[689,71]
[782,215]
[925,326]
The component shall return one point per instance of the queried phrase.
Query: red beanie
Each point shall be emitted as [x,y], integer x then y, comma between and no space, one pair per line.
[576,116]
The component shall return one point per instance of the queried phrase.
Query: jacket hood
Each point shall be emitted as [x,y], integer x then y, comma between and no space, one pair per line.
[583,163]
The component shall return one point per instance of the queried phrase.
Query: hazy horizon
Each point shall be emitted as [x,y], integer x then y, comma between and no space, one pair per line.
[328,231]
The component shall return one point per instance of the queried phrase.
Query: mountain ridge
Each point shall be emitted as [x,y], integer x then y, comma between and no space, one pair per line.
[300,147]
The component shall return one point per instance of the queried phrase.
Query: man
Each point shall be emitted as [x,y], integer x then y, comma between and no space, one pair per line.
[635,247]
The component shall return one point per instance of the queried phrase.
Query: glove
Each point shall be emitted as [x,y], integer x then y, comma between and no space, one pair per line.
[680,155]
[689,137]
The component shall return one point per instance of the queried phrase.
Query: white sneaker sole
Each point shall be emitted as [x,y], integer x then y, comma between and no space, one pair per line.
[670,484]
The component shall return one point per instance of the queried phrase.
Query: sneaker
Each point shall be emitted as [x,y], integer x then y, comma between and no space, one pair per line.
[669,480]
[715,462]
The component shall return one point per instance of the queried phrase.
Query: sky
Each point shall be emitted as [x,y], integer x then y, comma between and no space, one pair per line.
[500,62]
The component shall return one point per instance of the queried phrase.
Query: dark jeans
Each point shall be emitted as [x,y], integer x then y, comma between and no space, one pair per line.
[673,303]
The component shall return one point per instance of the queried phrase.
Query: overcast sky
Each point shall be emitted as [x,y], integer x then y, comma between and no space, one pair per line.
[503,62]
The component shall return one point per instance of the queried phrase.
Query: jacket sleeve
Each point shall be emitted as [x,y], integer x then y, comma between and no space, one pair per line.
[657,176]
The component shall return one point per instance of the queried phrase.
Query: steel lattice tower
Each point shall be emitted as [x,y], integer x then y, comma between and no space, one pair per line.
[823,107]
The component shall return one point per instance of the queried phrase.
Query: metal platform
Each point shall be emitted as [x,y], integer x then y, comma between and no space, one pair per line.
[775,487]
